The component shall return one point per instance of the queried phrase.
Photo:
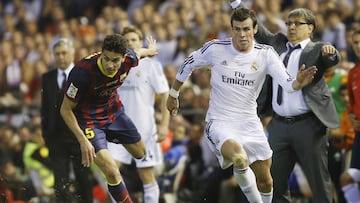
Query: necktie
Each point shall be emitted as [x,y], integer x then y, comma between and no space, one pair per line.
[63,82]
[285,61]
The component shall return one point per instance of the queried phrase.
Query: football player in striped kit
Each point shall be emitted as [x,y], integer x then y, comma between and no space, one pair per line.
[93,111]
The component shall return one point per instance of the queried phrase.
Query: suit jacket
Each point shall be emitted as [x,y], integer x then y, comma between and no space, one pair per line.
[53,126]
[317,95]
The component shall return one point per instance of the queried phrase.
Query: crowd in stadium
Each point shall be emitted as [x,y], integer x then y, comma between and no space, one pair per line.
[29,29]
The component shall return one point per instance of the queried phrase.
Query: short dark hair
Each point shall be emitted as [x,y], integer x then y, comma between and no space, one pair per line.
[306,13]
[241,14]
[331,12]
[115,43]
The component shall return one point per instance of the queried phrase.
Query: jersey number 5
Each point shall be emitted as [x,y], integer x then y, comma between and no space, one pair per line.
[89,133]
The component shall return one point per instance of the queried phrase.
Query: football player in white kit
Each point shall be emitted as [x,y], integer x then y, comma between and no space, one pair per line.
[137,94]
[234,131]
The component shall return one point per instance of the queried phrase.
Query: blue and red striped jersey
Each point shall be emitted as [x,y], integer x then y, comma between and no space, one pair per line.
[98,103]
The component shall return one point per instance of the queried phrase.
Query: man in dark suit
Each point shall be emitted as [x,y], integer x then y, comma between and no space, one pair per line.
[297,132]
[64,150]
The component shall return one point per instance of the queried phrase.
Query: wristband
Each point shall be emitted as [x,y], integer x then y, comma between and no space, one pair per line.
[174,93]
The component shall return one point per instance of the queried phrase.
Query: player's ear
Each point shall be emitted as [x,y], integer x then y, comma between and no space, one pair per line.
[256,28]
[311,28]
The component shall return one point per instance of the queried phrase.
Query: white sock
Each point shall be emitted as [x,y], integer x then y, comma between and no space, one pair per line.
[247,182]
[151,193]
[351,193]
[266,196]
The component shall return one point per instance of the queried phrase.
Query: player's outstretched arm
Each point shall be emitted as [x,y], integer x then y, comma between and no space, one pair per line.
[304,77]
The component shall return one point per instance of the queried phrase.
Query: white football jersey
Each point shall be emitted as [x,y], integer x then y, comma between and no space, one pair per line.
[236,77]
[137,94]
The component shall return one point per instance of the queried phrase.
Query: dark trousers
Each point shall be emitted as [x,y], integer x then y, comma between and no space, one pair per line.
[303,141]
[63,157]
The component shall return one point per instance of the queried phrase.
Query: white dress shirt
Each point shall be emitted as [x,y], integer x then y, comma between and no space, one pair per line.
[293,102]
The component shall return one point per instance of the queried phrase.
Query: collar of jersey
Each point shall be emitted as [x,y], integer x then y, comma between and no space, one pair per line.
[102,69]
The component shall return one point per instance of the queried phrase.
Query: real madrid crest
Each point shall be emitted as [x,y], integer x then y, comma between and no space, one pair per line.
[254,66]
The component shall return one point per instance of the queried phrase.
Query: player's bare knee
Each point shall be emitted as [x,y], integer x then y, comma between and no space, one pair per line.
[240,161]
[139,154]
[112,175]
[265,185]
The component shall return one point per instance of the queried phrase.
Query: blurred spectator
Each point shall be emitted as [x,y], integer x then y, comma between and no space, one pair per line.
[181,51]
[32,97]
[342,138]
[166,45]
[19,183]
[271,15]
[11,71]
[170,73]
[31,8]
[351,57]
[351,177]
[355,16]
[23,133]
[86,32]
[187,103]
[6,195]
[334,80]
[334,31]
[37,164]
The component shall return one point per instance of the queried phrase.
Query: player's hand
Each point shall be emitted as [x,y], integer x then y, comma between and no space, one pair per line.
[87,153]
[172,105]
[152,47]
[328,50]
[305,76]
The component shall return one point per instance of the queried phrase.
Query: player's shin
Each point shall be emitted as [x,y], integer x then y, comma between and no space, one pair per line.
[120,193]
[151,193]
[266,196]
[247,182]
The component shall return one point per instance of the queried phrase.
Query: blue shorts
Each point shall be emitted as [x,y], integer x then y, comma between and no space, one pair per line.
[355,157]
[121,131]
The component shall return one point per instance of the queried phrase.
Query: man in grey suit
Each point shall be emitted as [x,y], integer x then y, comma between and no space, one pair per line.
[297,132]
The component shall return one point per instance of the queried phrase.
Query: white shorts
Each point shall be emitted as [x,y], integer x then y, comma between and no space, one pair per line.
[248,133]
[153,155]
[354,173]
